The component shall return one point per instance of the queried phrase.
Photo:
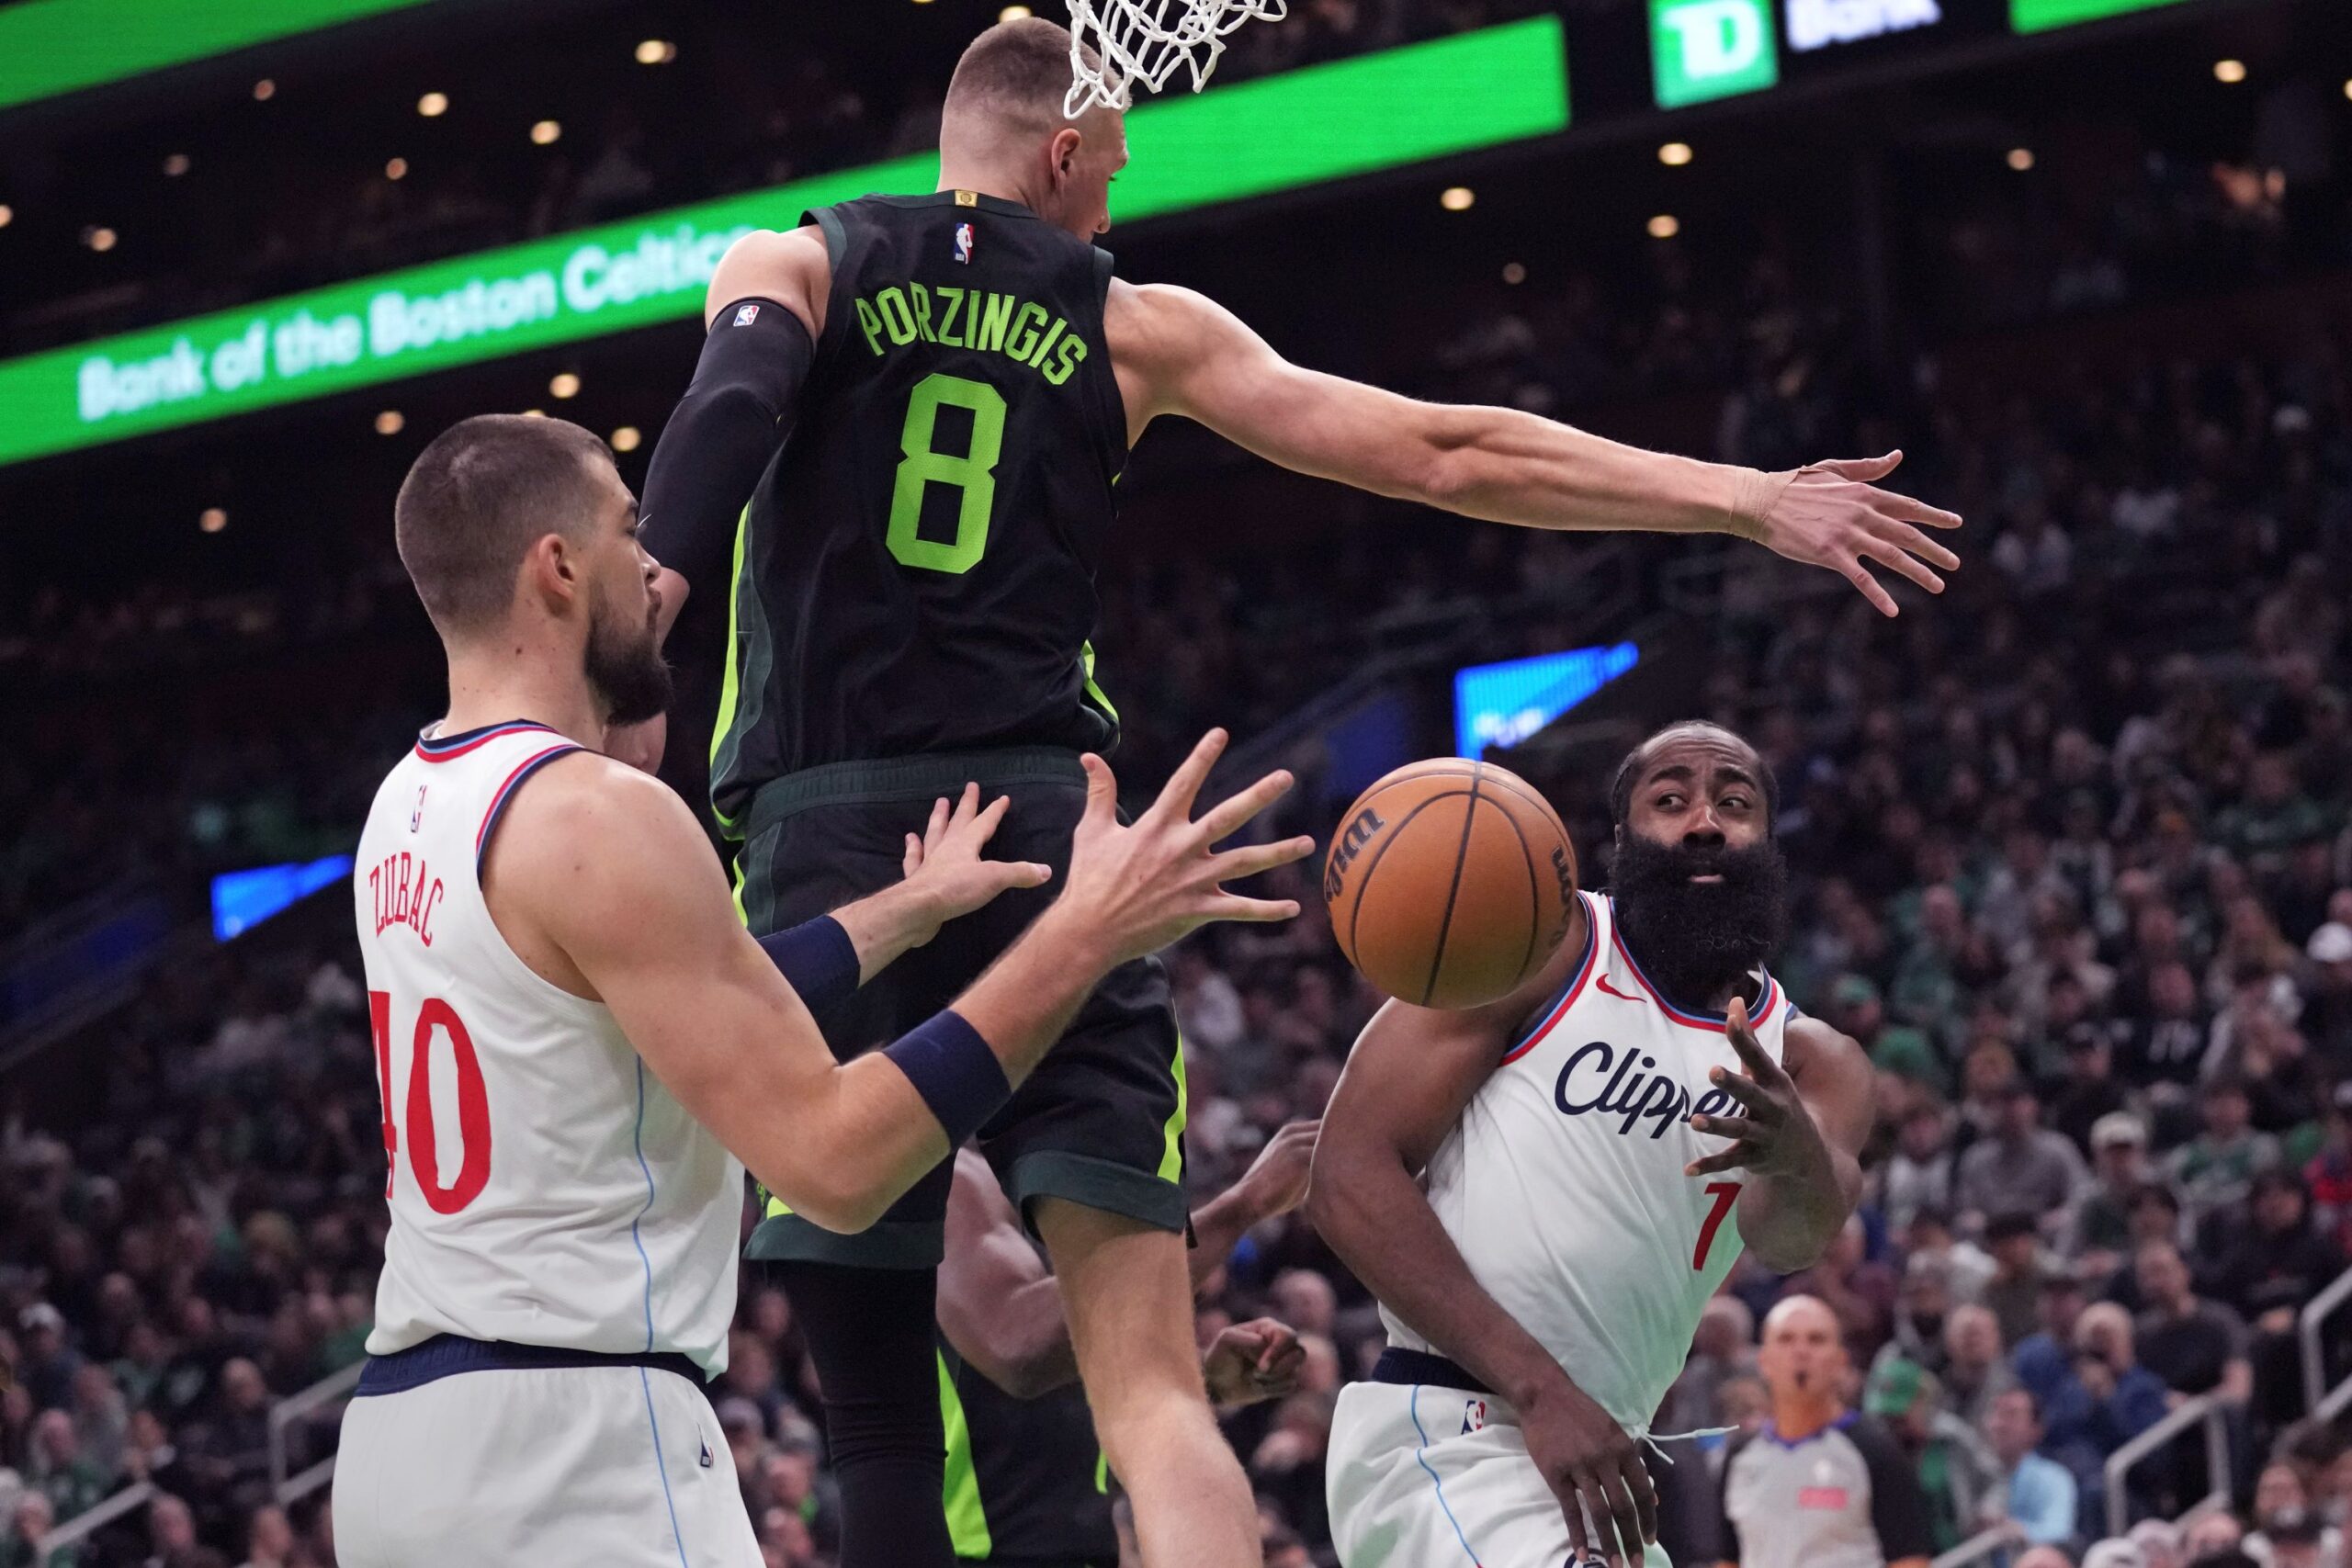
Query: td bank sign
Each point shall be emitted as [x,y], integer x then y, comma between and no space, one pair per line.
[1711,48]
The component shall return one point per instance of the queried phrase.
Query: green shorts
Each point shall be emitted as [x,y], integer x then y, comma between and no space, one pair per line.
[1101,1120]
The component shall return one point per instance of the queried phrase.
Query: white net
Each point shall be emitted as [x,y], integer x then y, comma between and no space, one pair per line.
[1146,40]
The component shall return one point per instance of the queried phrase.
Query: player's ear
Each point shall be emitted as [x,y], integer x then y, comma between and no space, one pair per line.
[1063,152]
[552,570]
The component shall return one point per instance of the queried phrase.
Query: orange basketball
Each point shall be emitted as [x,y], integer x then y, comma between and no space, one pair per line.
[1449,883]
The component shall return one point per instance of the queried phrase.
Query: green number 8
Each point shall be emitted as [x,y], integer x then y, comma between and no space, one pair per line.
[974,474]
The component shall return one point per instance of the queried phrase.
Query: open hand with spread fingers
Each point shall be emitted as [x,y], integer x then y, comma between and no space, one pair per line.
[1833,514]
[1774,1135]
[1132,889]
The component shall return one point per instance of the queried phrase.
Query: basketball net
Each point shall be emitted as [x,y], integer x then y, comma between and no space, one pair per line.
[1146,40]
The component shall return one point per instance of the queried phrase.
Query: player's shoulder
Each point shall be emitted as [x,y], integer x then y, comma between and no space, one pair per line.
[790,265]
[1808,1043]
[1150,320]
[583,808]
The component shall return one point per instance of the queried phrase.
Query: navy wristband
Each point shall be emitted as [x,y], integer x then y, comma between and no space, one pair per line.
[954,1071]
[819,959]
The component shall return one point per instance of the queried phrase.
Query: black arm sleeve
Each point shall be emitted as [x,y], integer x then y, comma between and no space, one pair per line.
[1898,1503]
[718,441]
[720,438]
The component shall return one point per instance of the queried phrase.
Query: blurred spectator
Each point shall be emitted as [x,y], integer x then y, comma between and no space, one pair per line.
[2036,1497]
[2021,1166]
[2104,1400]
[1956,1470]
[2195,1345]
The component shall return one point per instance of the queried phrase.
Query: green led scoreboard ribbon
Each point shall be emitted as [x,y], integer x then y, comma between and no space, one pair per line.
[49,47]
[2041,16]
[1378,111]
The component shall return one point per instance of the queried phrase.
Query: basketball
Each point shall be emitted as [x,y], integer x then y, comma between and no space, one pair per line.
[1449,883]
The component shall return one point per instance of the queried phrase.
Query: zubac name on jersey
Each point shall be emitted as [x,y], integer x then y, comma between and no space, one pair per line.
[405,893]
[1021,330]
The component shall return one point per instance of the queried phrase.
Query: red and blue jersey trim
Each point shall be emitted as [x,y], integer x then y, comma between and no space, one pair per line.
[447,748]
[1568,992]
[1771,999]
[523,770]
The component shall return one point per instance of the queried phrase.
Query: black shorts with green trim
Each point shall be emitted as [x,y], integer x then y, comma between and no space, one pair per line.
[1099,1121]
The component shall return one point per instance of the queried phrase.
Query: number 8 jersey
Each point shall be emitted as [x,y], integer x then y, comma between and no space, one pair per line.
[545,1188]
[1563,1182]
[915,571]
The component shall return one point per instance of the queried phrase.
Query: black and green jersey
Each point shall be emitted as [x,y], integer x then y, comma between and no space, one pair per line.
[915,571]
[1026,1479]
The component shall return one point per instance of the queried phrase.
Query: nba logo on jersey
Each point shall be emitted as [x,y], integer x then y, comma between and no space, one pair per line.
[1474,1416]
[417,816]
[746,315]
[963,241]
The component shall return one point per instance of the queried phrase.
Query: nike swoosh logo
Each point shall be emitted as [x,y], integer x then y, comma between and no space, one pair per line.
[1602,981]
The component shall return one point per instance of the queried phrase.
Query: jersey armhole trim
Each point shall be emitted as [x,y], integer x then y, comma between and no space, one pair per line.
[498,802]
[1568,992]
[829,220]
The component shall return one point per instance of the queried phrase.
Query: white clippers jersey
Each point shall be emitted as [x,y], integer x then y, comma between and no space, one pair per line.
[545,1187]
[1563,1183]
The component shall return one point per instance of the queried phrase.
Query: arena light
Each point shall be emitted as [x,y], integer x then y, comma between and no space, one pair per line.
[656,52]
[391,422]
[1013,13]
[243,900]
[211,520]
[1674,154]
[396,168]
[564,385]
[2230,73]
[433,106]
[1665,226]
[49,47]
[264,90]
[1384,111]
[7,215]
[99,238]
[174,165]
[1501,704]
[1514,274]
[2020,159]
[627,438]
[546,132]
[1457,198]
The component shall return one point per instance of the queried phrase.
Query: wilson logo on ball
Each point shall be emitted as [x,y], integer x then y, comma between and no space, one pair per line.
[1357,834]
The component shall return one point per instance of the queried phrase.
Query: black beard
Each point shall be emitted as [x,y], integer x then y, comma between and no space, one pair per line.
[626,672]
[1697,940]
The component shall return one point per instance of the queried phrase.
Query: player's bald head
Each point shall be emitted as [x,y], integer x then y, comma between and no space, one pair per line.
[1011,85]
[1794,1316]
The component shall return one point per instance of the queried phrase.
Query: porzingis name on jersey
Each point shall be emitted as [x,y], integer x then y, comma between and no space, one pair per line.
[405,893]
[1021,330]
[1597,1076]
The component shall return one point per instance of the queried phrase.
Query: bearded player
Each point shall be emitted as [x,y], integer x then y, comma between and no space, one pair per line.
[925,402]
[1538,1193]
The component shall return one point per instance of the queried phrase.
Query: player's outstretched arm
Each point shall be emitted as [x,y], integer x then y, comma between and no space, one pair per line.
[1799,1135]
[1179,352]
[600,879]
[1406,1083]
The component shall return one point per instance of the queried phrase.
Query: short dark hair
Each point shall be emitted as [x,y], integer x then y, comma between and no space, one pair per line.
[1020,67]
[1628,772]
[478,495]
